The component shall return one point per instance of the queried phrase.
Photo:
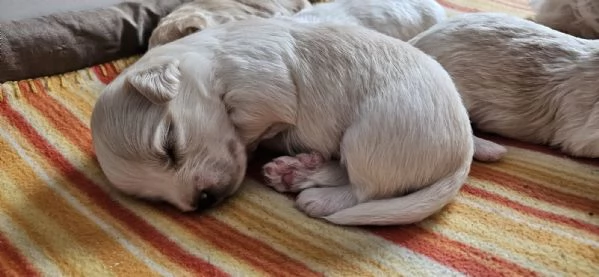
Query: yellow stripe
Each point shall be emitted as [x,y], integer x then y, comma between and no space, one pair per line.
[191,242]
[553,179]
[241,213]
[532,248]
[80,103]
[74,83]
[530,202]
[48,234]
[29,249]
[557,173]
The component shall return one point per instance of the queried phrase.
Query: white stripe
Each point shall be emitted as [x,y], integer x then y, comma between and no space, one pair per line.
[520,219]
[19,240]
[115,234]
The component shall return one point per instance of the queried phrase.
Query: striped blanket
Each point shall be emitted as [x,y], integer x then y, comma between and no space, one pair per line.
[535,213]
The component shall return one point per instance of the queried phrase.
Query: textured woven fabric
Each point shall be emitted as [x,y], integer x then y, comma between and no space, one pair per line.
[534,213]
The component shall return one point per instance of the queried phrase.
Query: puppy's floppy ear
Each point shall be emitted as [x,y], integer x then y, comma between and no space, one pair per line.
[158,83]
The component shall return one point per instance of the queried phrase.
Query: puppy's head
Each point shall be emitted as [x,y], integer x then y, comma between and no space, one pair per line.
[196,16]
[160,134]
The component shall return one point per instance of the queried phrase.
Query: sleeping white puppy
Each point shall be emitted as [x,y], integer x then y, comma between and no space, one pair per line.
[522,80]
[576,17]
[393,139]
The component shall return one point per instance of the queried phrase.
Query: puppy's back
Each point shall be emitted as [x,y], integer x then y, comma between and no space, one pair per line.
[506,69]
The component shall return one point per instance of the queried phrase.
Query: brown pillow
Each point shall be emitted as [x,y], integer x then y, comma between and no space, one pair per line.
[67,41]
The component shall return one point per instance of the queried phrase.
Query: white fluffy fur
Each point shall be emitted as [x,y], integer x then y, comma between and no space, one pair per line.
[522,80]
[382,112]
[576,17]
[402,19]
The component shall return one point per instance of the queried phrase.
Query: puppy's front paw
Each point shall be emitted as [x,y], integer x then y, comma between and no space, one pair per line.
[321,202]
[289,174]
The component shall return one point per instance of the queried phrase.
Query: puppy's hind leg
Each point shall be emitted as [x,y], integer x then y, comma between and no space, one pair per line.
[324,201]
[293,174]
[324,185]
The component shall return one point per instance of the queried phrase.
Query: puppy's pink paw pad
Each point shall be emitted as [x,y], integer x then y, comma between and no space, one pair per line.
[311,160]
[284,173]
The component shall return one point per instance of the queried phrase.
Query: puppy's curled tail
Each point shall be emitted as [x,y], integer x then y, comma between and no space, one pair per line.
[406,209]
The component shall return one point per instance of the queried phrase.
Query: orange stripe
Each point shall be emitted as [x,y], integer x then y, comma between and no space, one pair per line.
[535,190]
[12,261]
[105,72]
[462,257]
[532,211]
[75,99]
[254,251]
[62,119]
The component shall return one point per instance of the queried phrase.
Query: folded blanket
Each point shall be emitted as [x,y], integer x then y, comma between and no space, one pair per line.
[70,40]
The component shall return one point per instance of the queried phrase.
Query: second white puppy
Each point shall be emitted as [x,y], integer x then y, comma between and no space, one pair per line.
[521,79]
[393,138]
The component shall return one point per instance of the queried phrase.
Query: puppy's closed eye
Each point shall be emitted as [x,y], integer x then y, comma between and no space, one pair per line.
[169,145]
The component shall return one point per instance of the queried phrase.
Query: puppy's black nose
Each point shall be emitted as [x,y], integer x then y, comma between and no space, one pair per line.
[204,200]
